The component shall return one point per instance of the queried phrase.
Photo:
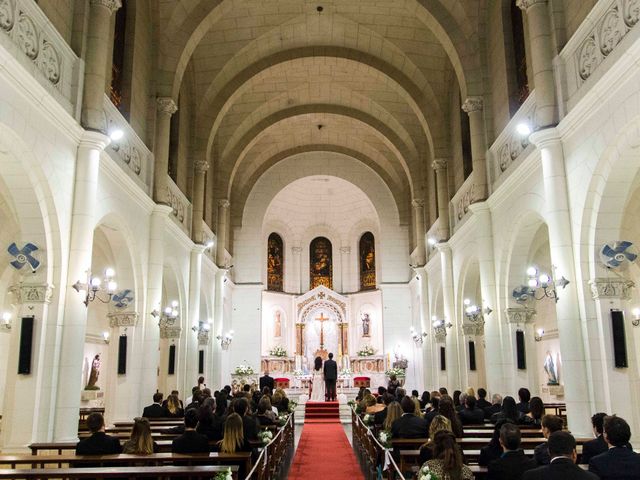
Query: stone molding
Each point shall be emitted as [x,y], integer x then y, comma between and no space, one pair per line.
[617,288]
[112,5]
[123,319]
[417,203]
[440,334]
[224,203]
[472,104]
[520,315]
[527,4]
[345,249]
[166,105]
[170,331]
[203,337]
[473,329]
[439,164]
[201,166]
[24,293]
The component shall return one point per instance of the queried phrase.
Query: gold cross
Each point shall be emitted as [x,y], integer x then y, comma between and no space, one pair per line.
[322,319]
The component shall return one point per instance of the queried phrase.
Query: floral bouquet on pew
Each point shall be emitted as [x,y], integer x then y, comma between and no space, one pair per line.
[385,438]
[426,474]
[265,436]
[226,475]
[352,403]
[292,406]
[282,419]
[368,419]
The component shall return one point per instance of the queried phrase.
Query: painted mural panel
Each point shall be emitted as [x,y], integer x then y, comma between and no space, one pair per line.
[367,250]
[275,263]
[321,263]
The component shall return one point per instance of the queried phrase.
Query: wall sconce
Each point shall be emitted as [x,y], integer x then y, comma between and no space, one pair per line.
[635,322]
[418,338]
[225,340]
[169,315]
[6,321]
[440,323]
[523,129]
[432,242]
[94,286]
[202,326]
[209,244]
[542,282]
[474,313]
[105,337]
[537,336]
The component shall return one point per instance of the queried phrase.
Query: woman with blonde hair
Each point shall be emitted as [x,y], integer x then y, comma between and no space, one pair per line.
[394,412]
[439,423]
[447,461]
[173,409]
[418,410]
[471,392]
[233,439]
[141,442]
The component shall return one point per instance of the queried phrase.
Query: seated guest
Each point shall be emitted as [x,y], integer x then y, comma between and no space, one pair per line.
[393,384]
[434,410]
[524,395]
[447,459]
[166,400]
[415,394]
[250,425]
[265,415]
[495,407]
[173,407]
[598,445]
[381,391]
[190,441]
[470,391]
[360,395]
[562,448]
[462,399]
[409,425]
[418,410]
[400,393]
[471,414]
[513,462]
[619,461]
[141,442]
[394,412]
[370,405]
[508,411]
[380,416]
[456,399]
[99,443]
[189,400]
[443,391]
[201,385]
[536,412]
[482,399]
[493,450]
[438,423]
[196,401]
[154,410]
[550,424]
[425,399]
[233,439]
[446,410]
[267,381]
[208,424]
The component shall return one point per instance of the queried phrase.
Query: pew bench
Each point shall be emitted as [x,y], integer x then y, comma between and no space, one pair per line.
[200,471]
[164,446]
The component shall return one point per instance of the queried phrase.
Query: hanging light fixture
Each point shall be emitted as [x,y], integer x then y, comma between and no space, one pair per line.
[96,286]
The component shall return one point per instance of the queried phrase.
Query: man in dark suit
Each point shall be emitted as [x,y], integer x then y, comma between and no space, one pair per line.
[190,441]
[482,399]
[409,425]
[330,370]
[550,424]
[619,462]
[513,462]
[598,445]
[267,381]
[496,406]
[154,410]
[381,416]
[99,443]
[471,414]
[562,448]
[249,423]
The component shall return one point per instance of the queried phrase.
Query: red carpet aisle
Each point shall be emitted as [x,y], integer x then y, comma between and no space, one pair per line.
[324,451]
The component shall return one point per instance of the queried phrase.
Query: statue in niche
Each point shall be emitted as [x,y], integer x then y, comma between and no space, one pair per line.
[275,263]
[277,325]
[366,325]
[321,271]
[551,370]
[367,255]
[95,373]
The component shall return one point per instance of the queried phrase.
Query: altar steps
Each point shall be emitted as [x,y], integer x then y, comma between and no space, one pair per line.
[322,412]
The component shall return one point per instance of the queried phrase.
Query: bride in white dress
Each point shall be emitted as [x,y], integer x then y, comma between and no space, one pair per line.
[317,382]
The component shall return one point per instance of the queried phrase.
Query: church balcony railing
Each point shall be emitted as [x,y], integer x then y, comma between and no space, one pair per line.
[209,239]
[34,42]
[606,35]
[511,147]
[129,152]
[432,236]
[465,196]
[181,206]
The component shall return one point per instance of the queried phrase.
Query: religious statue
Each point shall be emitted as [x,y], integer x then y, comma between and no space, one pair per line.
[551,370]
[277,328]
[95,372]
[365,325]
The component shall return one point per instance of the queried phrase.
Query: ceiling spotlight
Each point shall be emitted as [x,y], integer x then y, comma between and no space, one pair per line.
[523,129]
[116,134]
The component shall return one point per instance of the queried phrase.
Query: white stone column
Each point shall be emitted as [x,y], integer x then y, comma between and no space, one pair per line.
[151,330]
[521,318]
[191,352]
[570,325]
[166,107]
[540,40]
[442,181]
[429,369]
[96,62]
[221,233]
[493,337]
[452,341]
[200,172]
[297,268]
[345,263]
[473,107]
[75,312]
[219,328]
[418,219]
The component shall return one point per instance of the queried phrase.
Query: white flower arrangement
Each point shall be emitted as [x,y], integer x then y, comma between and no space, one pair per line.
[225,475]
[368,419]
[297,373]
[282,419]
[292,406]
[265,436]
[345,372]
[398,372]
[366,351]
[385,438]
[244,369]
[278,352]
[426,474]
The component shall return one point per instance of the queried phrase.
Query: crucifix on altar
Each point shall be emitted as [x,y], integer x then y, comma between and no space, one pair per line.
[321,352]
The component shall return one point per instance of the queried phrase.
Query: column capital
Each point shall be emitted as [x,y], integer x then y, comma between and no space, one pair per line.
[607,288]
[123,319]
[479,207]
[547,137]
[472,104]
[520,315]
[417,203]
[473,329]
[198,248]
[201,166]
[440,334]
[162,210]
[345,249]
[527,4]
[224,203]
[443,247]
[30,293]
[296,250]
[166,105]
[112,5]
[203,338]
[94,140]
[439,164]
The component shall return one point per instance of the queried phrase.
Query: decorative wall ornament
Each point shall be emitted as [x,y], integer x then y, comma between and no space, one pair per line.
[203,337]
[520,315]
[439,164]
[175,202]
[166,105]
[201,166]
[24,293]
[618,288]
[112,5]
[23,256]
[466,196]
[472,104]
[123,319]
[473,329]
[122,299]
[440,334]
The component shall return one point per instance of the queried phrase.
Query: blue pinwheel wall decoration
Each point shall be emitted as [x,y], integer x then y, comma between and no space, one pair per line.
[523,293]
[23,256]
[618,255]
[122,299]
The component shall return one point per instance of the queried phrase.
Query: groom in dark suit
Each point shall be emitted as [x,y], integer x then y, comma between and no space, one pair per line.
[330,371]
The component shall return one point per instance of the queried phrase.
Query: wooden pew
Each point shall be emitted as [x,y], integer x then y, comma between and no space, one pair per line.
[200,471]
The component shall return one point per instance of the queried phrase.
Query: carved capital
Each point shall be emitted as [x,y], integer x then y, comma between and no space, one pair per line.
[417,203]
[166,105]
[296,250]
[611,288]
[224,203]
[170,331]
[203,337]
[24,293]
[345,249]
[112,5]
[520,315]
[526,4]
[439,164]
[201,166]
[473,329]
[123,319]
[440,334]
[472,104]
